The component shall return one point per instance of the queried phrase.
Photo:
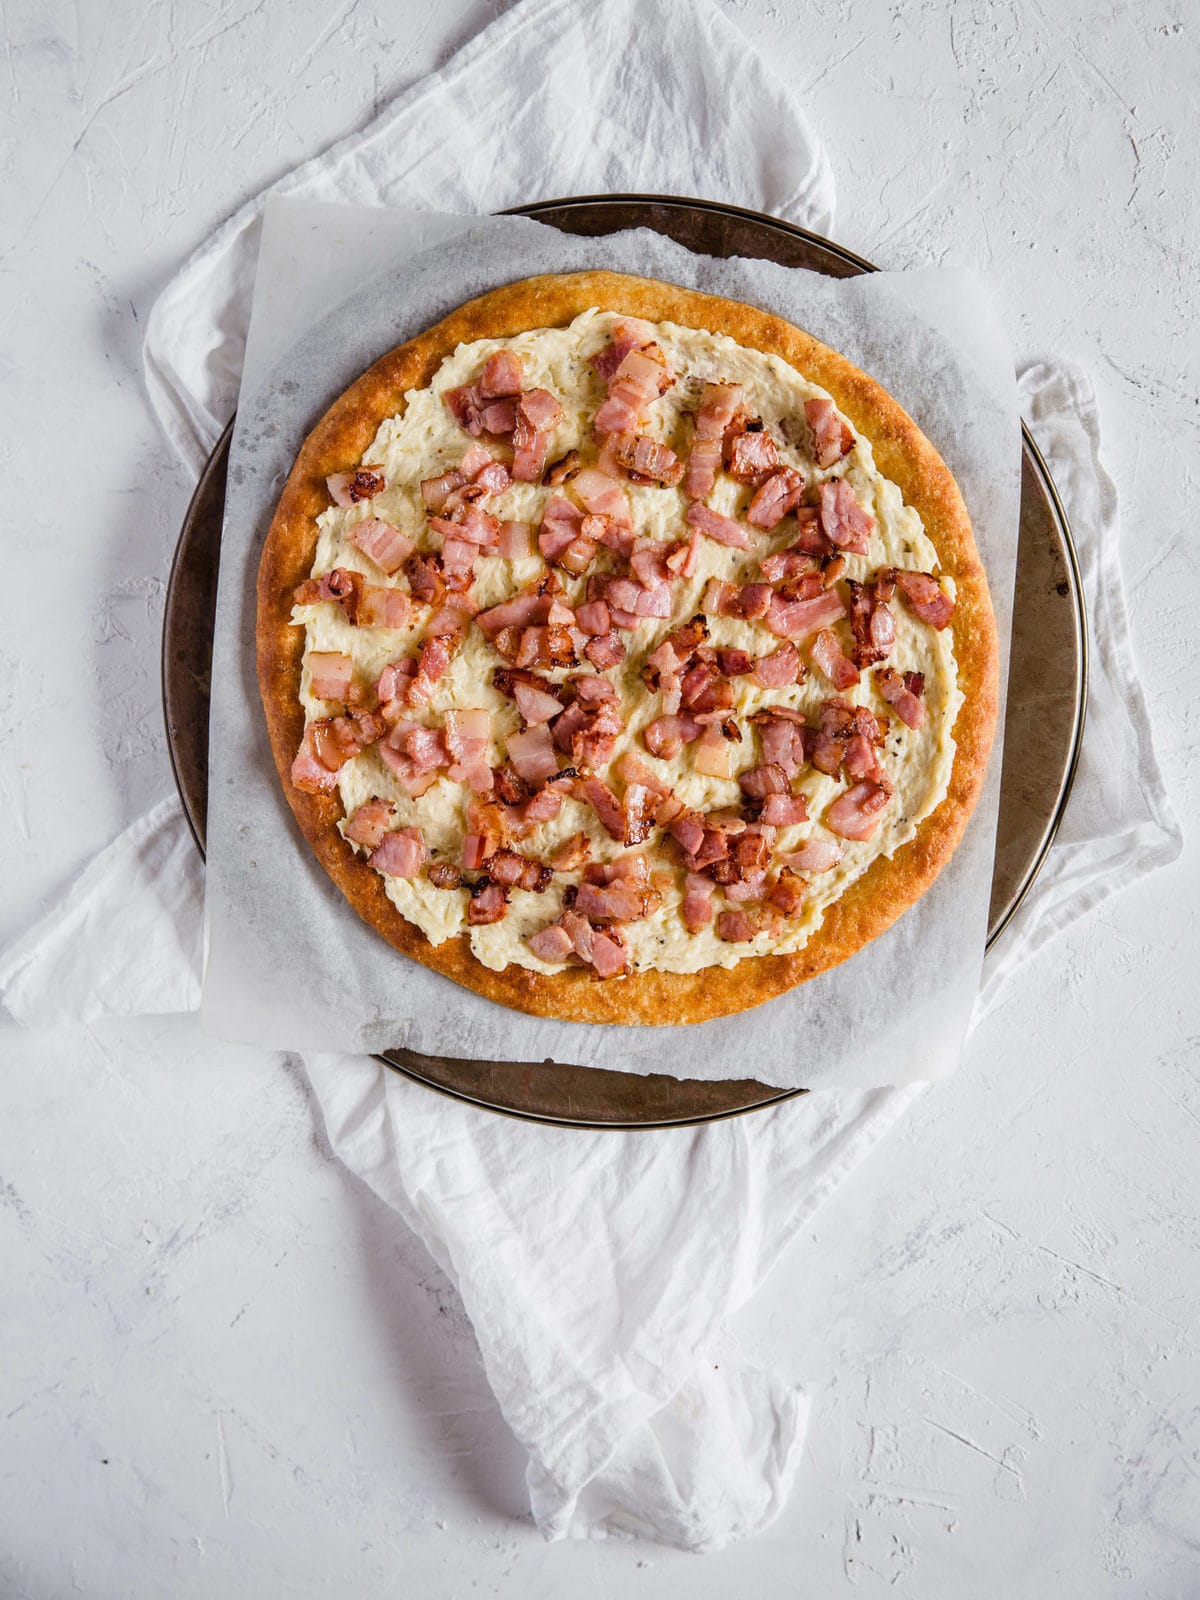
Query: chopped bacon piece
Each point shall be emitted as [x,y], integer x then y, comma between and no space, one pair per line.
[688,831]
[759,782]
[832,438]
[605,804]
[622,901]
[593,617]
[734,927]
[515,541]
[309,772]
[436,491]
[784,741]
[666,736]
[540,410]
[902,692]
[551,944]
[639,454]
[535,704]
[639,380]
[424,574]
[782,810]
[750,456]
[843,521]
[498,417]
[734,663]
[723,529]
[775,497]
[714,754]
[444,875]
[861,762]
[519,612]
[515,871]
[401,854]
[609,954]
[815,855]
[348,488]
[531,446]
[572,854]
[837,667]
[778,669]
[855,814]
[703,464]
[502,375]
[926,597]
[532,754]
[467,734]
[685,556]
[718,596]
[386,546]
[488,903]
[718,406]
[601,495]
[792,619]
[561,525]
[330,674]
[630,334]
[465,405]
[872,622]
[787,893]
[752,601]
[604,652]
[565,467]
[369,823]
[697,907]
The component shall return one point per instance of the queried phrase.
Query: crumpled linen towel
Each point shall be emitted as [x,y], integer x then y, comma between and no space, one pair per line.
[594,1267]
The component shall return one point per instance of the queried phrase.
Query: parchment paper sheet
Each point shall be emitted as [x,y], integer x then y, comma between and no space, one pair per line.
[290,965]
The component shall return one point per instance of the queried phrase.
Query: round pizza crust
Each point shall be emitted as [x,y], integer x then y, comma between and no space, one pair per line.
[902,453]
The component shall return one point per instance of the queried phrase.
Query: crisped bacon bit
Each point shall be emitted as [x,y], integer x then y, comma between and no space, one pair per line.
[734,663]
[330,674]
[777,670]
[752,455]
[309,772]
[605,804]
[793,619]
[610,957]
[843,521]
[386,546]
[551,944]
[637,382]
[561,525]
[855,814]
[837,667]
[903,692]
[832,438]
[369,822]
[719,405]
[572,854]
[759,782]
[666,736]
[515,871]
[718,596]
[860,760]
[815,855]
[565,467]
[488,903]
[782,810]
[786,894]
[641,812]
[401,854]
[734,927]
[444,875]
[467,733]
[703,464]
[697,907]
[519,612]
[436,491]
[536,704]
[752,601]
[872,623]
[775,497]
[926,597]
[424,574]
[348,488]
[531,444]
[648,459]
[502,375]
[715,526]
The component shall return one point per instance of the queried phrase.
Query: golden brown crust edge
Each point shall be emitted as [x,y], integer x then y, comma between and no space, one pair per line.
[902,453]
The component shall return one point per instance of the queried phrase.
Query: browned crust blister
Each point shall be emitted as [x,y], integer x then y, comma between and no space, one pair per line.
[902,453]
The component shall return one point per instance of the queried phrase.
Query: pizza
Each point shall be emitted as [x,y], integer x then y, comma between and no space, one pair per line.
[626,653]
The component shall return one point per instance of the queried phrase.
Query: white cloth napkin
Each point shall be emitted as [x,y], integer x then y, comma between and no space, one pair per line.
[594,1267]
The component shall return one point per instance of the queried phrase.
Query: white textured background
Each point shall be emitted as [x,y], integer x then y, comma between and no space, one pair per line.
[224,1369]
